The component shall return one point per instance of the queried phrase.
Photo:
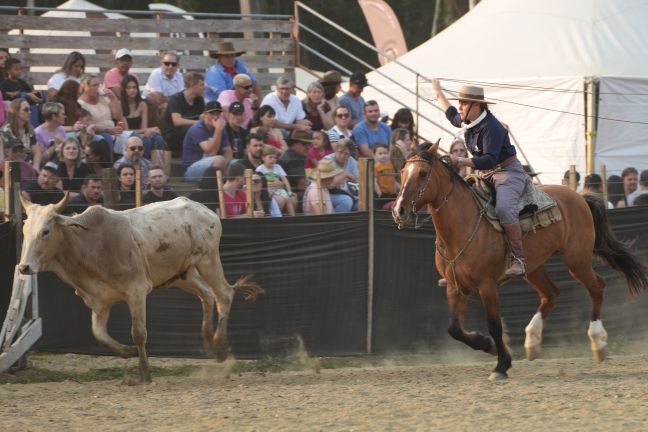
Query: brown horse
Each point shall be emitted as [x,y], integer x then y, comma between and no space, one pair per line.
[471,254]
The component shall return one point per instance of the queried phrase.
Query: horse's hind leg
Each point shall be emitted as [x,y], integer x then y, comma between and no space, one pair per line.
[457,303]
[548,293]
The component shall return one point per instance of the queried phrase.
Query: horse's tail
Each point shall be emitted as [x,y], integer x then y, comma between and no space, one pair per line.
[618,254]
[250,289]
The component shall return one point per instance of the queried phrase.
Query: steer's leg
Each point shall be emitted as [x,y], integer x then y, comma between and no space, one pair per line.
[196,285]
[137,308]
[100,317]
[211,270]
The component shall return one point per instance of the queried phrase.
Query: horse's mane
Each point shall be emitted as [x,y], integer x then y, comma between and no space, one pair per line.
[423,153]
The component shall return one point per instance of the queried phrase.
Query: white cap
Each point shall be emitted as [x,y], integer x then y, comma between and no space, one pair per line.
[123,52]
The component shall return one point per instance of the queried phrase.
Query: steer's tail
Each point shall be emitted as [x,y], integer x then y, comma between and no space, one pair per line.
[618,254]
[250,289]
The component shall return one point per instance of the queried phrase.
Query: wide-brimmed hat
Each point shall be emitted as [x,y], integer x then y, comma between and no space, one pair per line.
[224,48]
[327,169]
[331,77]
[300,136]
[471,94]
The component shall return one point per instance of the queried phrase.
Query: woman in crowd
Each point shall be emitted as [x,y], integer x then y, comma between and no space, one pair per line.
[135,111]
[103,106]
[71,170]
[98,156]
[68,96]
[19,124]
[458,149]
[72,69]
[405,120]
[4,56]
[615,189]
[262,199]
[318,112]
[341,129]
[51,134]
[264,118]
[400,147]
[126,177]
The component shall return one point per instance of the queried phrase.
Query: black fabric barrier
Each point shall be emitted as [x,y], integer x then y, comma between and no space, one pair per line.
[410,310]
[7,264]
[314,271]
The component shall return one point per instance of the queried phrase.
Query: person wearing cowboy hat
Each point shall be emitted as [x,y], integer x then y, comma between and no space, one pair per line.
[327,173]
[220,76]
[494,155]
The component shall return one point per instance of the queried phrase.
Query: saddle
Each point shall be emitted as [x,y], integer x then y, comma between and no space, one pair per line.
[536,208]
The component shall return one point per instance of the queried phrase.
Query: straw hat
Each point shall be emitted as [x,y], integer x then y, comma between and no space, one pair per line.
[326,169]
[471,94]
[224,48]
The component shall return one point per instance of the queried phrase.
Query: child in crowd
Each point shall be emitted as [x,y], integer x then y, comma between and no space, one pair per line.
[320,148]
[386,185]
[14,87]
[275,175]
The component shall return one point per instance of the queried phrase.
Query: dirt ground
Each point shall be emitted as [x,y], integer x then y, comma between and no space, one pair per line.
[559,393]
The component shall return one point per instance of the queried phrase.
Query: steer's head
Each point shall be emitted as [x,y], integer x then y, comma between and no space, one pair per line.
[43,236]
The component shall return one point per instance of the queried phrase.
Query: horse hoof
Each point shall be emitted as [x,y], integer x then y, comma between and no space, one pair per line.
[600,355]
[498,376]
[532,352]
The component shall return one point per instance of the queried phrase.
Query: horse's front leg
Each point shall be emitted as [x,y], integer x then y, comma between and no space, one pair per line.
[490,299]
[457,303]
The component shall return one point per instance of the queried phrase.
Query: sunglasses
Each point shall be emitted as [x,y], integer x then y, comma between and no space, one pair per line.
[247,87]
[140,148]
[343,115]
[174,64]
[256,181]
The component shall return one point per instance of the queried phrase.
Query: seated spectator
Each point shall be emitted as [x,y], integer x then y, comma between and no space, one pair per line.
[19,125]
[386,186]
[91,194]
[14,151]
[353,99]
[641,200]
[264,204]
[233,193]
[158,190]
[182,112]
[103,107]
[403,119]
[630,178]
[318,112]
[370,131]
[278,184]
[236,133]
[457,148]
[264,118]
[68,96]
[114,76]
[288,108]
[253,152]
[206,144]
[641,190]
[343,196]
[51,134]
[135,111]
[44,190]
[594,184]
[565,179]
[71,170]
[207,192]
[312,203]
[340,130]
[126,177]
[294,159]
[4,56]
[14,87]
[97,156]
[220,76]
[133,155]
[241,93]
[321,146]
[72,69]
[164,81]
[332,83]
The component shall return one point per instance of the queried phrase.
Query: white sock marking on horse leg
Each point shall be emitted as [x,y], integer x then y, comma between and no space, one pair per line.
[533,340]
[598,340]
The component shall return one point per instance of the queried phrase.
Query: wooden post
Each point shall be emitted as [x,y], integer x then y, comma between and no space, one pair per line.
[249,195]
[320,192]
[366,183]
[369,174]
[221,197]
[111,192]
[13,206]
[572,177]
[604,182]
[138,187]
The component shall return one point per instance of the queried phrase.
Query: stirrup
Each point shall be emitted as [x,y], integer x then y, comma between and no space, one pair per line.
[522,263]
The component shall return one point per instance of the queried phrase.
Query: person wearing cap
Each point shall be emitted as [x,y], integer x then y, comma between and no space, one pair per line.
[220,76]
[370,130]
[494,155]
[332,83]
[236,133]
[353,99]
[242,93]
[164,81]
[14,151]
[206,143]
[290,114]
[641,190]
[312,203]
[45,189]
[294,158]
[114,76]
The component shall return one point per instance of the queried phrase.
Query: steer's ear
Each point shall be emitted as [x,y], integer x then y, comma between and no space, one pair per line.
[70,222]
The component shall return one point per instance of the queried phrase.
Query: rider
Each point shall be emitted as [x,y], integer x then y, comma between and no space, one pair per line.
[494,155]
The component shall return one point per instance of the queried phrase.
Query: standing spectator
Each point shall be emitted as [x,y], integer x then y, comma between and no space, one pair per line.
[91,194]
[72,69]
[317,111]
[14,87]
[114,76]
[44,191]
[51,134]
[236,133]
[293,159]
[353,99]
[288,108]
[312,204]
[253,152]
[158,190]
[594,184]
[403,119]
[264,118]
[342,196]
[332,82]
[241,94]
[103,107]
[566,178]
[14,150]
[182,112]
[71,170]
[126,177]
[320,148]
[19,125]
[615,189]
[370,131]
[68,96]
[642,190]
[133,155]
[220,76]
[386,186]
[206,144]
[164,81]
[630,177]
[278,184]
[341,129]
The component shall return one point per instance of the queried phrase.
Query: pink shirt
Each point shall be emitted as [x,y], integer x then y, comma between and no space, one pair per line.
[311,200]
[228,97]
[315,156]
[113,78]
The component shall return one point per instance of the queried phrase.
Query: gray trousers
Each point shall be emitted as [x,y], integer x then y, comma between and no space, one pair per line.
[509,184]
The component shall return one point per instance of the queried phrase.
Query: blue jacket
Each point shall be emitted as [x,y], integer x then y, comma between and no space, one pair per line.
[217,80]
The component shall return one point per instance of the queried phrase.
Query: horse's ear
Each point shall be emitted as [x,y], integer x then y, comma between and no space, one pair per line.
[434,147]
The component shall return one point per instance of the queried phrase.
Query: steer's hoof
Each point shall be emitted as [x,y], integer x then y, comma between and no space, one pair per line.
[600,355]
[498,376]
[532,352]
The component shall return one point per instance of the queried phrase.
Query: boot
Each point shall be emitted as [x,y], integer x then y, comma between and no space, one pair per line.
[514,234]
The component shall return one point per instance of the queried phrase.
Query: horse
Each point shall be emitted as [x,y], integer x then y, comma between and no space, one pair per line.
[471,254]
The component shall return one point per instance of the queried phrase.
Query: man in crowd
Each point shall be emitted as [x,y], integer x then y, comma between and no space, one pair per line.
[164,81]
[630,178]
[236,133]
[353,99]
[292,161]
[241,93]
[253,152]
[220,76]
[289,111]
[206,144]
[565,179]
[14,86]
[642,190]
[14,151]
[44,191]
[133,155]
[371,130]
[341,197]
[158,190]
[114,77]
[91,194]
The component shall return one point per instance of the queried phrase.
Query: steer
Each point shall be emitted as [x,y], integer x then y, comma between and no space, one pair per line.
[111,257]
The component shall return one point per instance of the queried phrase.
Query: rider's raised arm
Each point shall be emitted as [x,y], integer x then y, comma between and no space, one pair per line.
[443,101]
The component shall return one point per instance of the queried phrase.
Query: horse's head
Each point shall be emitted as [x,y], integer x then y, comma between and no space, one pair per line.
[418,183]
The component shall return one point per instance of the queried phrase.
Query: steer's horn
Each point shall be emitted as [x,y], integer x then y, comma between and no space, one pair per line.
[60,206]
[25,202]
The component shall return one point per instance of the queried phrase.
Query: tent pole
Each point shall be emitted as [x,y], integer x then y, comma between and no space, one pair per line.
[591,120]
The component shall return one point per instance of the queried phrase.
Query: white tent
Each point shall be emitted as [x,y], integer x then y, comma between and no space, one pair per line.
[535,59]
